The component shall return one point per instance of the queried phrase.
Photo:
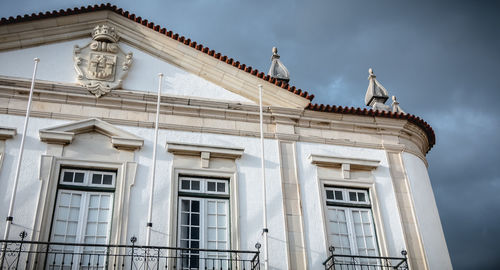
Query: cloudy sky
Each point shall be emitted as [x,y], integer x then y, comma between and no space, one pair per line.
[438,57]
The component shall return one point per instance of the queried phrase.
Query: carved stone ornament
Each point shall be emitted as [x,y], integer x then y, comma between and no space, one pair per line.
[101,65]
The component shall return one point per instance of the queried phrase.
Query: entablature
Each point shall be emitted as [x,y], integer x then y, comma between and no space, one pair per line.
[67,101]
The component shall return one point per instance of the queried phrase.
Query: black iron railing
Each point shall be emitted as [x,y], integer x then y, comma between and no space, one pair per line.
[51,255]
[353,262]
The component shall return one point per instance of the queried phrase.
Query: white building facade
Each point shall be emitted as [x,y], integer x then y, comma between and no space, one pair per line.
[349,178]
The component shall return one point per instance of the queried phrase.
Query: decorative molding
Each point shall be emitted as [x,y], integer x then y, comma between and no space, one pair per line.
[96,63]
[346,164]
[56,137]
[131,144]
[64,134]
[7,133]
[133,108]
[205,152]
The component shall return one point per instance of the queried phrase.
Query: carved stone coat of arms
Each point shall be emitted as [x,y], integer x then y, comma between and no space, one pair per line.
[101,65]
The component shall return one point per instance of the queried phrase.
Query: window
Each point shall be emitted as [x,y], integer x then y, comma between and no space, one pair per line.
[82,214]
[203,221]
[350,222]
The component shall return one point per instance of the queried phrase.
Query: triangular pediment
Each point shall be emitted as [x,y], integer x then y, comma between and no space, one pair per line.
[180,52]
[64,134]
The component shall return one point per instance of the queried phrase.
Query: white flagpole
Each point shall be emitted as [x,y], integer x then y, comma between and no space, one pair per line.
[149,225]
[10,218]
[265,230]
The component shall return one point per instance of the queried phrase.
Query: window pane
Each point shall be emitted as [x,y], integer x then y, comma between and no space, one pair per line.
[184,232]
[60,227]
[221,187]
[185,205]
[184,244]
[195,185]
[361,197]
[74,214]
[356,217]
[342,227]
[62,213]
[211,220]
[105,201]
[195,233]
[370,243]
[221,221]
[68,177]
[329,195]
[102,229]
[195,219]
[211,186]
[107,179]
[221,234]
[185,184]
[100,240]
[195,244]
[96,179]
[221,208]
[338,195]
[103,215]
[195,206]
[92,215]
[91,228]
[222,245]
[75,200]
[79,177]
[72,226]
[352,196]
[185,218]
[94,201]
[211,207]
[65,199]
[211,234]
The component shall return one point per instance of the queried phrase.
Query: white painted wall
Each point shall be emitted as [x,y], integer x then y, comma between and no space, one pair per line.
[427,214]
[249,193]
[316,239]
[56,64]
[29,184]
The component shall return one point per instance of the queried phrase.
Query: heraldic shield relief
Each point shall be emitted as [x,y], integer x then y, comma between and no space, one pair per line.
[101,65]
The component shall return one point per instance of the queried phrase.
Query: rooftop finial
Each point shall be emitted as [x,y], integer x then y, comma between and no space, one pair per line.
[376,94]
[395,106]
[277,69]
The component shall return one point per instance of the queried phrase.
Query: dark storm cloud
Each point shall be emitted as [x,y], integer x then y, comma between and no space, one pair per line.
[440,58]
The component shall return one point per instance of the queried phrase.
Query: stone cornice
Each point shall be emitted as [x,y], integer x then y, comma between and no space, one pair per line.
[198,149]
[330,161]
[64,134]
[134,108]
[345,164]
[7,133]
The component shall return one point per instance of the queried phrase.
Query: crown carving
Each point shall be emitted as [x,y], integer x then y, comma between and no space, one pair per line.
[105,33]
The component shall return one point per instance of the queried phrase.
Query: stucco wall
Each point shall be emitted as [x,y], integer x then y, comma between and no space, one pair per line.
[249,193]
[56,64]
[427,214]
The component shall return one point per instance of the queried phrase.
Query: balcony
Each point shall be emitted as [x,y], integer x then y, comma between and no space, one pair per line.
[20,254]
[353,262]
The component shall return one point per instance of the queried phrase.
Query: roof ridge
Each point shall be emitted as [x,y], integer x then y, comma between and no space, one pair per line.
[161,30]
